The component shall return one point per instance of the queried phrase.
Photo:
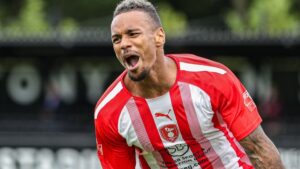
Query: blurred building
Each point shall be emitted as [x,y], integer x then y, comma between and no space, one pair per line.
[50,85]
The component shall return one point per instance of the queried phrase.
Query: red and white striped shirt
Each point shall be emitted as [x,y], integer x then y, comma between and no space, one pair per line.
[196,124]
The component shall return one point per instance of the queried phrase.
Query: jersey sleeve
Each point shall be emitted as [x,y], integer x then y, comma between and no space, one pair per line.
[112,150]
[237,107]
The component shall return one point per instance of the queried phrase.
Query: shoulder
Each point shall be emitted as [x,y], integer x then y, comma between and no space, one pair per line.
[194,59]
[193,64]
[112,100]
[199,69]
[213,77]
[108,110]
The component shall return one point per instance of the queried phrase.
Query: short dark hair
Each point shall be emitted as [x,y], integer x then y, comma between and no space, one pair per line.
[138,5]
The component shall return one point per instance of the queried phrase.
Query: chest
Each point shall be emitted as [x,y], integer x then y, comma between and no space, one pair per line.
[179,117]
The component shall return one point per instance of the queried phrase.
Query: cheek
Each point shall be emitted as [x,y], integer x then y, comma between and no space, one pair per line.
[149,46]
[116,49]
[150,49]
[117,52]
[120,59]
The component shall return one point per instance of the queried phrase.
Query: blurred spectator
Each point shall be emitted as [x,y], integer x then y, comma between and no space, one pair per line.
[50,106]
[271,111]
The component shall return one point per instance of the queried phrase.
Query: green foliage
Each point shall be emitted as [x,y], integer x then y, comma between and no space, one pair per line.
[2,14]
[88,13]
[68,27]
[32,20]
[273,17]
[32,17]
[2,11]
[174,23]
[235,23]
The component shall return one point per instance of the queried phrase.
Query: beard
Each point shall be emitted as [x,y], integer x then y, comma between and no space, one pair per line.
[139,77]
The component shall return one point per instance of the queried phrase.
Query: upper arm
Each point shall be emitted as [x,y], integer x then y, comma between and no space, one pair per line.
[261,151]
[237,107]
[113,150]
[255,141]
[242,118]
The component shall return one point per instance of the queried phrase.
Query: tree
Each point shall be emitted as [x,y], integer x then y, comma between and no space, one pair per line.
[271,17]
[174,22]
[32,20]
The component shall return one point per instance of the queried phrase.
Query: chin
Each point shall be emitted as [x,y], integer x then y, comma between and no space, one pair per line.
[138,77]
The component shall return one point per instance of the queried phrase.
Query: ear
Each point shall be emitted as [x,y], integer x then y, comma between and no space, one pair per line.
[160,37]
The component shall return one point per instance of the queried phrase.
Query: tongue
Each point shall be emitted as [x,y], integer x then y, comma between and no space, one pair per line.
[132,61]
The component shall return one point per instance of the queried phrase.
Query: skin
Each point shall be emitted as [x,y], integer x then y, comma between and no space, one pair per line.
[134,33]
[261,151]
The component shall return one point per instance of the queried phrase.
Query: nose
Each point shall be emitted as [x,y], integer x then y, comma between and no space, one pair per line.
[125,43]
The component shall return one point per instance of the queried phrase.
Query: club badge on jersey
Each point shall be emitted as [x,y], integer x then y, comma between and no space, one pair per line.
[169,132]
[248,101]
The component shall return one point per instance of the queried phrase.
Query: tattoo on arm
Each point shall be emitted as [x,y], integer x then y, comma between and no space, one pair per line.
[261,151]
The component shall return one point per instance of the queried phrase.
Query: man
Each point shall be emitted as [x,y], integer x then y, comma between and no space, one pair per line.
[174,111]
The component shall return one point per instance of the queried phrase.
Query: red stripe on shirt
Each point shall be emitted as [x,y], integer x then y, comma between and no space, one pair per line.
[143,162]
[185,130]
[141,133]
[195,126]
[239,153]
[138,125]
[152,132]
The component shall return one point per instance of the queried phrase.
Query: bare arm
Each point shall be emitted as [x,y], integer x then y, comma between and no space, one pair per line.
[261,151]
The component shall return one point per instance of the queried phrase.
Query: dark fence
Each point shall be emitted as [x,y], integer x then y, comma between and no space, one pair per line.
[49,87]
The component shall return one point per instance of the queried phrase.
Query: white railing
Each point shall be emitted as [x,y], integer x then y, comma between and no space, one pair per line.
[69,158]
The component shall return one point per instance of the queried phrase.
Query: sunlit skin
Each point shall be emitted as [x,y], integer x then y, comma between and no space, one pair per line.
[138,45]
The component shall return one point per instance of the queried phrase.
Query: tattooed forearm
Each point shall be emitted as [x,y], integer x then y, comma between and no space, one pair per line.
[261,151]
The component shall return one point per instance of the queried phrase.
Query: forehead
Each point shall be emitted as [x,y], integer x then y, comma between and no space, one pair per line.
[131,19]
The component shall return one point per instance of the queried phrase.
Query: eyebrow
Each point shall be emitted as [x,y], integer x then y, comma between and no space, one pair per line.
[128,31]
[132,30]
[115,35]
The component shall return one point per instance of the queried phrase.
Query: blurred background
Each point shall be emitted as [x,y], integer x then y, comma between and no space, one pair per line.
[56,59]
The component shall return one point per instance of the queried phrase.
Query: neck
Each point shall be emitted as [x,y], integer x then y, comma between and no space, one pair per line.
[159,81]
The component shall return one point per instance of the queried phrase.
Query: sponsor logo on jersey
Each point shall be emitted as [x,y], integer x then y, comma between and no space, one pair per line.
[100,149]
[169,132]
[158,114]
[248,101]
[178,150]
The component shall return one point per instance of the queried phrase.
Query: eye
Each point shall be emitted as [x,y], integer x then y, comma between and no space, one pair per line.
[116,39]
[134,34]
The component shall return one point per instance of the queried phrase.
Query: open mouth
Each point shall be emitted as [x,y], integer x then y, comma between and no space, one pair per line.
[132,61]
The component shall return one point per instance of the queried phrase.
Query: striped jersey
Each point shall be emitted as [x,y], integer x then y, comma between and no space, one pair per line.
[196,124]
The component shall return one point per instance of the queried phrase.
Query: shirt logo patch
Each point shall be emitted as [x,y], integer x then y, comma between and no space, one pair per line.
[248,101]
[178,150]
[158,114]
[169,132]
[100,149]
